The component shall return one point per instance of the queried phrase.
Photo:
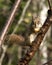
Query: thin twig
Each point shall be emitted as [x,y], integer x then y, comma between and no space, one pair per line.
[22,16]
[21,19]
[49,4]
[9,21]
[8,24]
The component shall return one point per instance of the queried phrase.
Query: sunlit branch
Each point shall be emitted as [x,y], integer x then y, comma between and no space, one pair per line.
[9,21]
[22,16]
[9,24]
[6,28]
[21,19]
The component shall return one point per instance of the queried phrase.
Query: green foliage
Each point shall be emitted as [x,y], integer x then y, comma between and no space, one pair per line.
[2,21]
[12,1]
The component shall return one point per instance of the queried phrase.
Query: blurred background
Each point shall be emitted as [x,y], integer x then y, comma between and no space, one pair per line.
[12,49]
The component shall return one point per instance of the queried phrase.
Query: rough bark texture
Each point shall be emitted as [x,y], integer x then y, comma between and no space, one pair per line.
[36,43]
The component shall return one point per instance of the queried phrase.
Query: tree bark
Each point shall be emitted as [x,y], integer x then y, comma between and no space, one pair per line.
[36,43]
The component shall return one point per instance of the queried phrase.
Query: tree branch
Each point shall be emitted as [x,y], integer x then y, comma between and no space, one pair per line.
[7,26]
[49,4]
[36,43]
[22,16]
[9,21]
